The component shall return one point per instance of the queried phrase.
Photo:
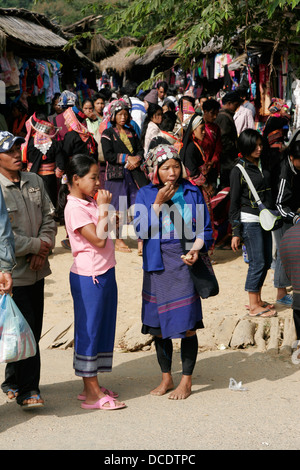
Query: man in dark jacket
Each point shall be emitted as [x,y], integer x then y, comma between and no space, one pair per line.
[288,199]
[288,204]
[225,121]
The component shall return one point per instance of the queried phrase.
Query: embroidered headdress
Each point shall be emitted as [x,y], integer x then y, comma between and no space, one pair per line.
[156,157]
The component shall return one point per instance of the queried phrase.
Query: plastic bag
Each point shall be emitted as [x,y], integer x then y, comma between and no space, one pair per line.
[236,386]
[17,341]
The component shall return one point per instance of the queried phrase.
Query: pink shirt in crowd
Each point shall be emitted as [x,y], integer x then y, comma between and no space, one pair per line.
[89,260]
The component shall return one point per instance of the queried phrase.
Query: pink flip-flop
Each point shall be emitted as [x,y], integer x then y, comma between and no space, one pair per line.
[110,393]
[99,405]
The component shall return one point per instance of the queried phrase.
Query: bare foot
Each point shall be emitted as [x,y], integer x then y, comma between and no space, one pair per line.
[165,385]
[183,390]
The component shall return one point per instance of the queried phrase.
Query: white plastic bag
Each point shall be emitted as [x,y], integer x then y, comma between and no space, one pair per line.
[236,386]
[16,338]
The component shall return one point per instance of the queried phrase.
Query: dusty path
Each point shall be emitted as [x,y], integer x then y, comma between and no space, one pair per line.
[266,416]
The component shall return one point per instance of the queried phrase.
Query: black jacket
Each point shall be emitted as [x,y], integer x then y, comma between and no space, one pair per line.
[288,199]
[228,137]
[116,153]
[53,155]
[73,145]
[241,198]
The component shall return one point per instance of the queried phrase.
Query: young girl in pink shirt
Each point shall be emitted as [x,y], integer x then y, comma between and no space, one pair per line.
[92,281]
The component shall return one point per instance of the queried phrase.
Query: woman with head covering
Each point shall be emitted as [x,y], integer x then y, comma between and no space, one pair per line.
[78,138]
[171,307]
[42,154]
[123,153]
[194,159]
[67,99]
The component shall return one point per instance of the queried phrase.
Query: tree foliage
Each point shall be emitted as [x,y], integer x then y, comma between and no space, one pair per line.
[195,22]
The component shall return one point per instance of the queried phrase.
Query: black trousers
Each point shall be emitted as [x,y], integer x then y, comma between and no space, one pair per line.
[296,315]
[25,375]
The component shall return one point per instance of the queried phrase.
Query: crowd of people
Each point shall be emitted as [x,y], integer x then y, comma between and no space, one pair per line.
[158,150]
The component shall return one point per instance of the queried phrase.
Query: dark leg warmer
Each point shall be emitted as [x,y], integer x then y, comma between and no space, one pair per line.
[189,351]
[164,350]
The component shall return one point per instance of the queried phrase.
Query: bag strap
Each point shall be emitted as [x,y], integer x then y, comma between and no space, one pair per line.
[249,182]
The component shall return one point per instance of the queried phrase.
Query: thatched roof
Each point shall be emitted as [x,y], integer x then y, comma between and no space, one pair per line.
[32,29]
[120,62]
[26,29]
[127,41]
[156,51]
[102,47]
[85,24]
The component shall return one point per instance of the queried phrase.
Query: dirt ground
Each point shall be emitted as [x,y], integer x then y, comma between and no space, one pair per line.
[265,416]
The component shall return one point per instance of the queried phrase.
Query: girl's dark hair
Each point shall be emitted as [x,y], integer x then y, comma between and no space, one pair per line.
[170,104]
[87,100]
[295,149]
[42,116]
[79,165]
[168,121]
[209,105]
[152,109]
[247,141]
[98,96]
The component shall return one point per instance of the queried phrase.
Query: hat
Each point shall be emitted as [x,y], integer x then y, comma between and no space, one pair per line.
[159,155]
[276,105]
[231,97]
[67,98]
[116,106]
[152,96]
[7,140]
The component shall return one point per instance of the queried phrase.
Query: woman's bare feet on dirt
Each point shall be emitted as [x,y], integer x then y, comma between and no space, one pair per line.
[165,385]
[183,390]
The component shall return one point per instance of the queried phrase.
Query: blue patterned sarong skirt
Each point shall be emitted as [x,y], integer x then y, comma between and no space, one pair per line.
[170,303]
[95,311]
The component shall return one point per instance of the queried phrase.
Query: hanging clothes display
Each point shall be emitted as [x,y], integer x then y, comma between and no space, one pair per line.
[37,77]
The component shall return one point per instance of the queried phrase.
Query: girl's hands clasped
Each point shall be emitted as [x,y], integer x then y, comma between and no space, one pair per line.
[103,197]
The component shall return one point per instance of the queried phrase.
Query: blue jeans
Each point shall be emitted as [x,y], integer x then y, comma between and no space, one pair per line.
[258,244]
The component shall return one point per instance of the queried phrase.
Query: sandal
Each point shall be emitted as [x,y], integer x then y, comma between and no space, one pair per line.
[262,314]
[66,244]
[99,404]
[29,406]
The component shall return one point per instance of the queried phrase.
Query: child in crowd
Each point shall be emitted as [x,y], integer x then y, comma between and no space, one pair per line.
[92,280]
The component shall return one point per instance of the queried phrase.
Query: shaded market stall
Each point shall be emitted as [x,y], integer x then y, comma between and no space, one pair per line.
[34,61]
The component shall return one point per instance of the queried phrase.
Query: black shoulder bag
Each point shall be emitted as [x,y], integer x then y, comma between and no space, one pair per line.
[138,175]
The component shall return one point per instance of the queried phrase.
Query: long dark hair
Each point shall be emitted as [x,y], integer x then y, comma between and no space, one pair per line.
[153,108]
[247,141]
